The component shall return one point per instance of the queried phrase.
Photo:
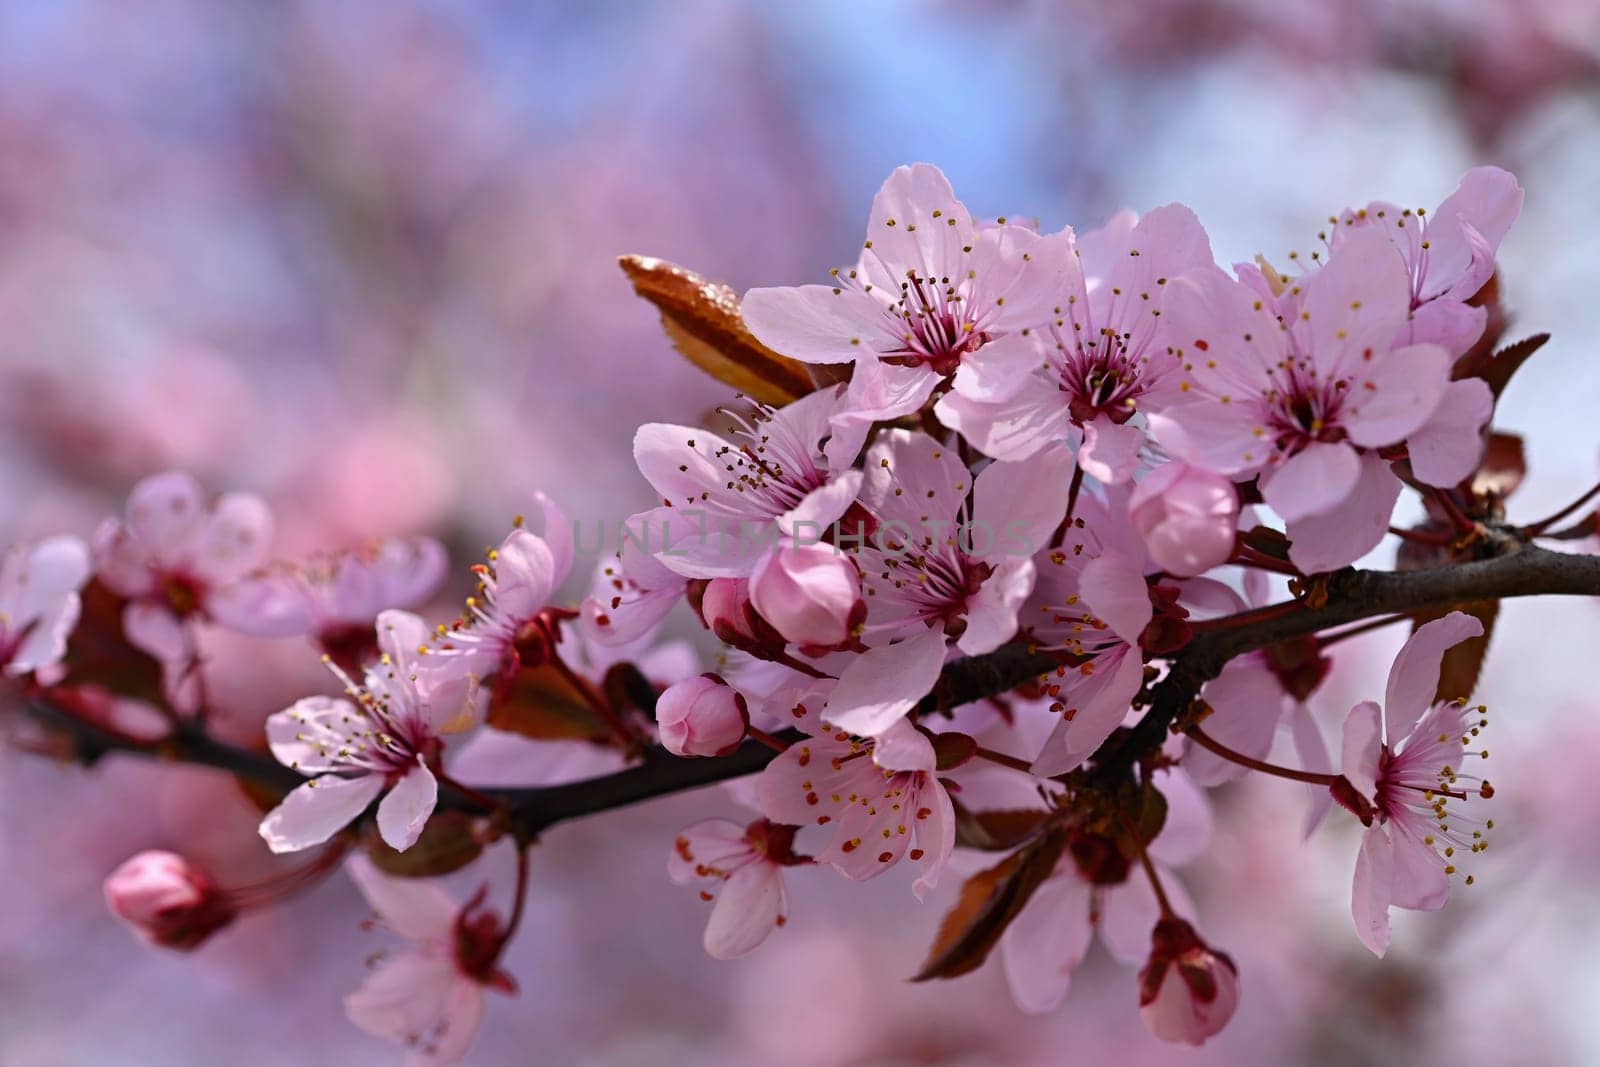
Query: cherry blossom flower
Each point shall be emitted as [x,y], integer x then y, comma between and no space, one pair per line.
[881,797]
[937,568]
[384,737]
[1405,761]
[811,595]
[702,716]
[429,997]
[509,621]
[1188,518]
[1255,695]
[931,288]
[1449,254]
[39,603]
[175,560]
[729,499]
[746,863]
[632,591]
[1093,602]
[1188,991]
[335,598]
[1095,888]
[1100,361]
[167,900]
[1305,390]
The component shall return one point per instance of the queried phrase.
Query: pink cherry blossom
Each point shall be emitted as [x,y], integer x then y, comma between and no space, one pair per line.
[1100,360]
[931,287]
[702,716]
[382,739]
[1188,518]
[428,997]
[880,798]
[632,591]
[1095,888]
[1093,602]
[509,620]
[167,900]
[335,598]
[39,602]
[811,594]
[1304,390]
[746,864]
[1188,991]
[728,499]
[1406,760]
[1449,254]
[171,556]
[937,567]
[1255,695]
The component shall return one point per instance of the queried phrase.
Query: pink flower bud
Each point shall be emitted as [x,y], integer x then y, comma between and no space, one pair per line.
[1187,517]
[702,716]
[811,594]
[724,606]
[1187,991]
[167,900]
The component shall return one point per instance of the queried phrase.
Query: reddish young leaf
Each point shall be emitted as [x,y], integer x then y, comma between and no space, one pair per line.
[538,702]
[996,831]
[702,320]
[989,901]
[1503,468]
[1498,368]
[99,654]
[448,843]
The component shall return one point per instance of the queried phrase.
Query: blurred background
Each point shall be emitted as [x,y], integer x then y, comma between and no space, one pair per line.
[361,258]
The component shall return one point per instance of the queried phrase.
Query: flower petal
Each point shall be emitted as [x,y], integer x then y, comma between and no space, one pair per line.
[1371,890]
[1449,445]
[1338,538]
[317,810]
[414,908]
[1396,395]
[751,905]
[1046,942]
[1315,480]
[1415,674]
[880,686]
[814,323]
[1362,747]
[404,812]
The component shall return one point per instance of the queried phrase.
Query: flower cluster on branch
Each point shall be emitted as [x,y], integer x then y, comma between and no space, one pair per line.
[1015,543]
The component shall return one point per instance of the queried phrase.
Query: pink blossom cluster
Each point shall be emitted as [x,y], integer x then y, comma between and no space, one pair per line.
[1078,452]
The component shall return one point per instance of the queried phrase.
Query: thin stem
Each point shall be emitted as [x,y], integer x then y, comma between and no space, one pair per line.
[1206,741]
[1245,556]
[1534,529]
[798,665]
[766,739]
[1452,510]
[1149,869]
[1423,537]
[519,905]
[1004,760]
[1327,640]
[1242,618]
[483,800]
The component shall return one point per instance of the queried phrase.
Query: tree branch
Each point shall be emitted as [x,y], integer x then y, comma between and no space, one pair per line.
[1351,597]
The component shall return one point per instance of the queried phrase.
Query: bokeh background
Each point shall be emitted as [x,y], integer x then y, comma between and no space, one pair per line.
[360,257]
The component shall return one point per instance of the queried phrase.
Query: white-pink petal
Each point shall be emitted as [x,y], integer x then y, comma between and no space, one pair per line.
[1415,674]
[317,810]
[881,685]
[404,812]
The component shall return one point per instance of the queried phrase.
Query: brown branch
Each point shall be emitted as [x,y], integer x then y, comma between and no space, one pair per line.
[1352,596]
